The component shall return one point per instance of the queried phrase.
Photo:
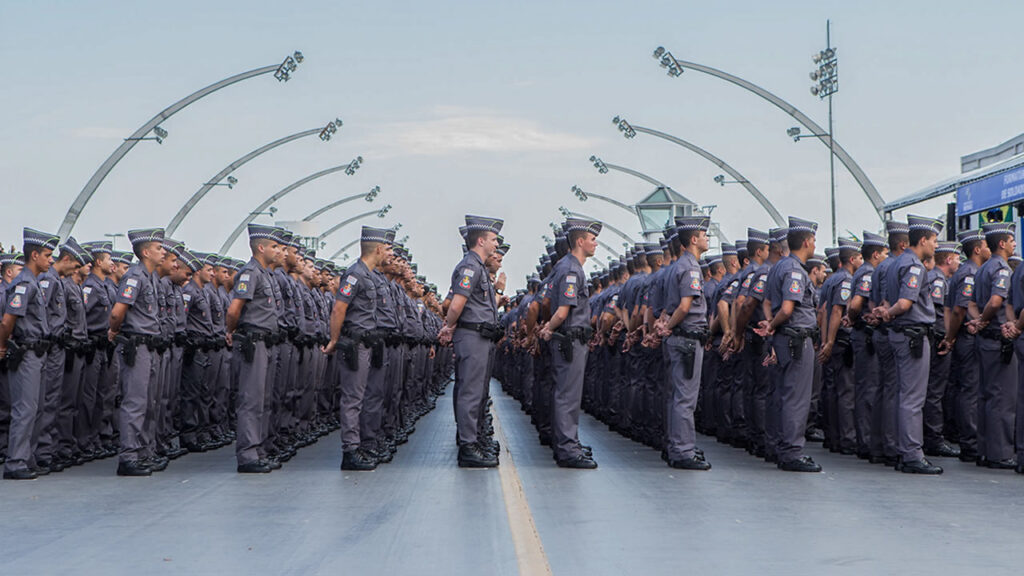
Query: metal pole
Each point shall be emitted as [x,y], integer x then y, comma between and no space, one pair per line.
[274,198]
[75,210]
[337,227]
[606,225]
[831,141]
[343,248]
[191,203]
[858,174]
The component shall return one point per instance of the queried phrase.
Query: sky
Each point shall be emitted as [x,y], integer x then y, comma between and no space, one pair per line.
[488,108]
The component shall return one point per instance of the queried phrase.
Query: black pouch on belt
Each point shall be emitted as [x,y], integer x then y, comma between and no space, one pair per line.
[246,345]
[1005,350]
[349,353]
[377,354]
[15,354]
[564,345]
[916,340]
[129,350]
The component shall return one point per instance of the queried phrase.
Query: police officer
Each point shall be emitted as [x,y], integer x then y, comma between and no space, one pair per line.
[837,351]
[98,300]
[944,265]
[252,324]
[997,400]
[134,326]
[24,342]
[792,327]
[567,333]
[909,317]
[353,319]
[472,326]
[684,326]
[858,316]
[11,264]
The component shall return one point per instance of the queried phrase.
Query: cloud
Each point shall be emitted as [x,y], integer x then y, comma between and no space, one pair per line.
[472,133]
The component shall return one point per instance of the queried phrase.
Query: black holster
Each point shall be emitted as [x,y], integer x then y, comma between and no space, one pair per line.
[129,350]
[564,344]
[843,340]
[15,354]
[246,345]
[689,358]
[1005,350]
[915,337]
[349,353]
[377,353]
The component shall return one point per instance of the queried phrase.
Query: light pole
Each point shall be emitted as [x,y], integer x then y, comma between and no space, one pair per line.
[78,205]
[380,214]
[369,196]
[113,239]
[675,69]
[826,79]
[191,202]
[629,131]
[603,168]
[270,212]
[566,213]
[583,196]
[277,196]
[231,181]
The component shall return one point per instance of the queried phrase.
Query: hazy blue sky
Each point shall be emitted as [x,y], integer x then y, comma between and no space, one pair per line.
[485,107]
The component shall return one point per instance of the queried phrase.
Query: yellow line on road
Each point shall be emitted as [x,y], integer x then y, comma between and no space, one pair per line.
[529,549]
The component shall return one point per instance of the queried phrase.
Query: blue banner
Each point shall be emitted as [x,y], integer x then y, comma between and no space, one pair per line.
[991,192]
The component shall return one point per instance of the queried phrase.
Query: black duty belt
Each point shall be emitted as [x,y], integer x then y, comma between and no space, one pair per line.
[492,332]
[582,334]
[701,335]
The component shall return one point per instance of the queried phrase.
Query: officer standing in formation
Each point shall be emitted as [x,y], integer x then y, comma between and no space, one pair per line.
[901,353]
[199,349]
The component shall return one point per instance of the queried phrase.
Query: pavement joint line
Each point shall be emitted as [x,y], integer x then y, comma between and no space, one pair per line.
[529,549]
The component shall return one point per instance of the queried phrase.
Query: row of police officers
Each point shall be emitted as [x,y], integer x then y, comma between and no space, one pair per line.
[887,347]
[151,354]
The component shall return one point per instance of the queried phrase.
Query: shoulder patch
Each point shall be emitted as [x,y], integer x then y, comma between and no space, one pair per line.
[969,280]
[15,302]
[570,278]
[915,269]
[468,272]
[1004,272]
[351,279]
[20,289]
[87,290]
[44,283]
[132,282]
[795,275]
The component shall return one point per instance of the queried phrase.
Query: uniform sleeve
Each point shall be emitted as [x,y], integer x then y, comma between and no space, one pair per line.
[466,280]
[863,287]
[245,286]
[567,289]
[18,298]
[128,290]
[910,282]
[842,294]
[964,291]
[691,284]
[794,285]
[938,291]
[1001,283]
[350,287]
[759,287]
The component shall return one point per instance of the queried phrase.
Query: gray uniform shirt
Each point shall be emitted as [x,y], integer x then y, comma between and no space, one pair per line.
[97,304]
[788,280]
[570,289]
[359,291]
[470,279]
[687,280]
[138,290]
[56,301]
[255,285]
[25,300]
[906,280]
[993,279]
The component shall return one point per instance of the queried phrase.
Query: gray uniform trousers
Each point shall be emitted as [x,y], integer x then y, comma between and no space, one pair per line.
[155,403]
[865,376]
[997,402]
[372,414]
[842,402]
[281,383]
[912,387]
[269,407]
[215,380]
[883,433]
[472,357]
[71,389]
[682,397]
[90,409]
[26,393]
[1019,349]
[137,383]
[793,384]
[5,411]
[393,389]
[565,400]
[49,404]
[253,379]
[938,378]
[109,388]
[966,377]
[305,405]
[195,415]
[756,395]
[353,390]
